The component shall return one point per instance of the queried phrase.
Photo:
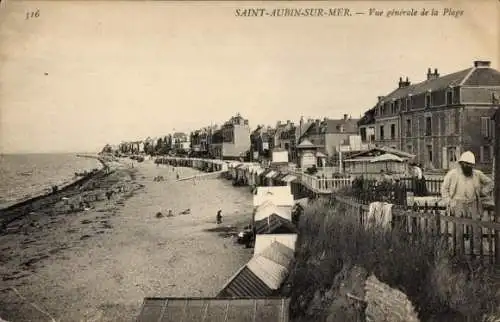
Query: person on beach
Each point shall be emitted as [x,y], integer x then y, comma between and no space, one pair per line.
[177,176]
[219,217]
[462,190]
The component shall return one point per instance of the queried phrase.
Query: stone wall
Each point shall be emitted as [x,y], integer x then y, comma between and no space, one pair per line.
[385,304]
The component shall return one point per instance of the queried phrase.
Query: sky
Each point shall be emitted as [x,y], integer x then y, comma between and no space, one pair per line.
[84,74]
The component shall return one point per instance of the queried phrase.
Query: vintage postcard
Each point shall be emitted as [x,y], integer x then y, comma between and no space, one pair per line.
[249,161]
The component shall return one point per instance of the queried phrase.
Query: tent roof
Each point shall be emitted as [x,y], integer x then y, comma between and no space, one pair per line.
[173,309]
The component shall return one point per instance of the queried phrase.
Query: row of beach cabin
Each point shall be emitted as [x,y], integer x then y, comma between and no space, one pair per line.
[274,250]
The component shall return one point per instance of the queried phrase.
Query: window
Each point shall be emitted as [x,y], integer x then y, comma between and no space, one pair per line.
[449,97]
[429,153]
[408,103]
[427,100]
[428,126]
[393,131]
[452,154]
[485,127]
[408,128]
[409,148]
[362,132]
[398,105]
[381,132]
[485,154]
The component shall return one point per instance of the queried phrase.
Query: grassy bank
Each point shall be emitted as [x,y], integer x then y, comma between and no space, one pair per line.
[332,239]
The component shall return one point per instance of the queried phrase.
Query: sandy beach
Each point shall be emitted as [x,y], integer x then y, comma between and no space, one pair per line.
[99,264]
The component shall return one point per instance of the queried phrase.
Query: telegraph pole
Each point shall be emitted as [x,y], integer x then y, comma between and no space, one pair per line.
[496,176]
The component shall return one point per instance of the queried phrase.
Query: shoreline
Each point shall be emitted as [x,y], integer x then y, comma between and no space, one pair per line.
[24,205]
[99,264]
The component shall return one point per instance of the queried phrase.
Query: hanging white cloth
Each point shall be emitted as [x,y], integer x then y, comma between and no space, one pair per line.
[379,213]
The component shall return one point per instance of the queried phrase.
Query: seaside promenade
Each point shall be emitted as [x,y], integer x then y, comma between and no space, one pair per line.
[99,264]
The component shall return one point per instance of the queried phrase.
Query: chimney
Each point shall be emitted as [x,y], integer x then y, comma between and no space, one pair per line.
[407,82]
[482,63]
[402,83]
[431,75]
[380,98]
[345,117]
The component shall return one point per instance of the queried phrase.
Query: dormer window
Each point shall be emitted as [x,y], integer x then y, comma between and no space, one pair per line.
[427,100]
[449,97]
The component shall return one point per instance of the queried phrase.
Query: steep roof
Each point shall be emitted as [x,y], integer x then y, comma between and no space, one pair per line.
[334,126]
[483,77]
[442,82]
[245,284]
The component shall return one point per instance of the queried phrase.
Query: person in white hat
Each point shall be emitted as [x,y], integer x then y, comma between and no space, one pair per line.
[462,190]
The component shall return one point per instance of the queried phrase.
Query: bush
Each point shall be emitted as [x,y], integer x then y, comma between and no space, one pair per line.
[331,236]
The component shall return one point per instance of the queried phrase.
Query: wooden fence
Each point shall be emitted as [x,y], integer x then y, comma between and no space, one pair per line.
[433,185]
[432,220]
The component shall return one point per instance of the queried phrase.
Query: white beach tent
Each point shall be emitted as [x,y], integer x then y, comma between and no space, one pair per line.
[280,196]
[268,208]
[262,241]
[269,272]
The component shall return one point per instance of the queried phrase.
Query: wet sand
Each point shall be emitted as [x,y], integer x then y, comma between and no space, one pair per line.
[99,264]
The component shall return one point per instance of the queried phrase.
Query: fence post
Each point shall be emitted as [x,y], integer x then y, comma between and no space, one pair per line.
[496,171]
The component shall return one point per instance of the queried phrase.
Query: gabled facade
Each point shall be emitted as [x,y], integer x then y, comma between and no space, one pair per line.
[441,117]
[330,133]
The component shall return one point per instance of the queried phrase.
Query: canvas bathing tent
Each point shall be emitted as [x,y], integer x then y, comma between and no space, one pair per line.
[279,196]
[263,275]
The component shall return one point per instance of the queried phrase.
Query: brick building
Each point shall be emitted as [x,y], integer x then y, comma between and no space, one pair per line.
[441,117]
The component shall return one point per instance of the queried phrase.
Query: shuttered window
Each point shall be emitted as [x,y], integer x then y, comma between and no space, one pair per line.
[485,127]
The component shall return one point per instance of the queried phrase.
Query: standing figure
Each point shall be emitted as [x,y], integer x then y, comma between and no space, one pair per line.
[462,190]
[417,177]
[219,217]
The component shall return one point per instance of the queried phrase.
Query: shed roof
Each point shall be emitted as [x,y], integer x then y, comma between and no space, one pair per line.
[382,150]
[275,223]
[245,284]
[268,208]
[215,309]
[263,241]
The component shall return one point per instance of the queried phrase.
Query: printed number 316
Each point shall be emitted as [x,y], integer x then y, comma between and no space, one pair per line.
[33,14]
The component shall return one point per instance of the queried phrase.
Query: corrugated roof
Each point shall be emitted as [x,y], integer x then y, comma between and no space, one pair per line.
[274,224]
[263,241]
[245,284]
[268,271]
[268,209]
[215,310]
